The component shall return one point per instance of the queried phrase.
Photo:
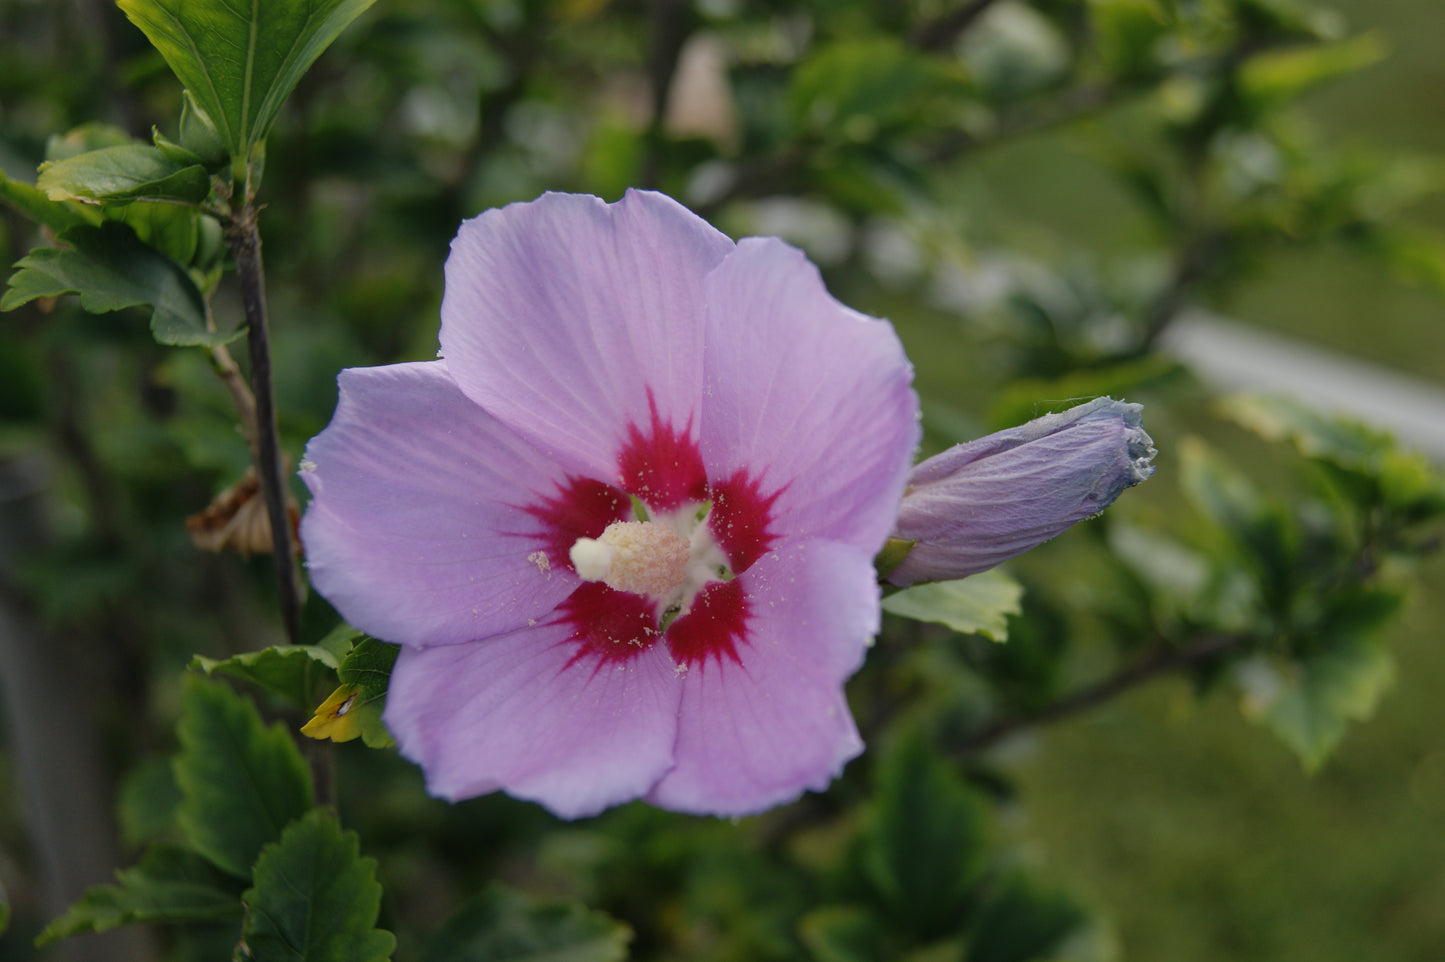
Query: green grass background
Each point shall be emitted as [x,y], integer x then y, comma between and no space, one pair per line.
[1196,833]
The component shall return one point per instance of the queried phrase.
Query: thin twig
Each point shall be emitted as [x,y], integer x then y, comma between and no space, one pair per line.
[245,244]
[1090,696]
[241,396]
[1191,265]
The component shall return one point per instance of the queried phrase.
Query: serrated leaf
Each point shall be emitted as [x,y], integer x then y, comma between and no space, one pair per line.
[503,925]
[171,884]
[1314,433]
[241,782]
[111,269]
[314,898]
[368,666]
[354,709]
[32,202]
[978,604]
[924,847]
[298,673]
[241,61]
[1309,703]
[124,173]
[1020,923]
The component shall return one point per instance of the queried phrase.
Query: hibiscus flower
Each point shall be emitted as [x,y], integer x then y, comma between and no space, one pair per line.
[624,530]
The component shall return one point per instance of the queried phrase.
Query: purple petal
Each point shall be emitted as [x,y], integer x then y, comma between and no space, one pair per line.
[522,713]
[567,318]
[981,503]
[808,398]
[760,730]
[416,531]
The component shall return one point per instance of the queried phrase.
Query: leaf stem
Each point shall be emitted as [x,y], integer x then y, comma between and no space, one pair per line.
[1162,662]
[245,243]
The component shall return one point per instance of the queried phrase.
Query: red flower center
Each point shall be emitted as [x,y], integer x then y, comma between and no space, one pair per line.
[662,468]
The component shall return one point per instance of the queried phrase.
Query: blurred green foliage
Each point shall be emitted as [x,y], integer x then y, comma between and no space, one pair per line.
[1033,191]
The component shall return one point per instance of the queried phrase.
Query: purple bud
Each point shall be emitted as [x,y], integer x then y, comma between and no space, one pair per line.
[981,503]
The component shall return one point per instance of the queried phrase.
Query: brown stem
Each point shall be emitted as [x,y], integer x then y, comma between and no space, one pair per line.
[245,244]
[669,29]
[1090,696]
[241,396]
[323,770]
[1192,264]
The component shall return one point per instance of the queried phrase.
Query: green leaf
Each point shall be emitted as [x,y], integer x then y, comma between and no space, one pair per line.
[111,269]
[978,604]
[924,849]
[86,137]
[171,884]
[240,782]
[1371,466]
[1220,492]
[298,673]
[1413,253]
[1411,486]
[891,555]
[1279,76]
[340,640]
[32,202]
[368,666]
[174,151]
[354,708]
[1128,34]
[856,89]
[1314,433]
[1309,703]
[147,801]
[170,229]
[1019,923]
[125,173]
[314,898]
[844,933]
[199,134]
[240,61]
[503,925]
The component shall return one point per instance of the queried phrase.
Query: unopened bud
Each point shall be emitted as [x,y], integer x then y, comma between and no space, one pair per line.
[981,503]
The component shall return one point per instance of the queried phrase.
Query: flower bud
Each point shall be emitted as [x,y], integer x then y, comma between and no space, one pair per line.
[981,503]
